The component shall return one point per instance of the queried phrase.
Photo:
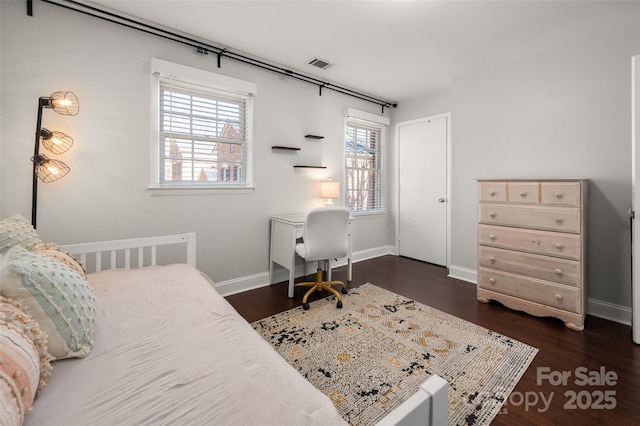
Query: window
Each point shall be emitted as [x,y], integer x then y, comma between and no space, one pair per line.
[364,162]
[203,129]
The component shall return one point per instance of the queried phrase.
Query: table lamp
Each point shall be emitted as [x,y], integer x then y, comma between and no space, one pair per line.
[329,189]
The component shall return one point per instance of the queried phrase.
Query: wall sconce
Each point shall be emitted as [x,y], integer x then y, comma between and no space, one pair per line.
[50,170]
[329,189]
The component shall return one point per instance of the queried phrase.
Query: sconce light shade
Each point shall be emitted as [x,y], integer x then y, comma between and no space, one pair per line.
[65,103]
[55,142]
[49,170]
[329,189]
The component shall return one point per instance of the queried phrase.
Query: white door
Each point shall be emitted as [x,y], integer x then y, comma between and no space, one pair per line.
[422,189]
[635,200]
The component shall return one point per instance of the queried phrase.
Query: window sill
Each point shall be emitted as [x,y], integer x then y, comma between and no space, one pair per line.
[366,214]
[190,190]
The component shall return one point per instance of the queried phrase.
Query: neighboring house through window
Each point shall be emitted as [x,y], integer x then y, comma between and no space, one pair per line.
[364,162]
[202,128]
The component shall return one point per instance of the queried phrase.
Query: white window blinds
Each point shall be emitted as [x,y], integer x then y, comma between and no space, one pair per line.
[202,137]
[364,165]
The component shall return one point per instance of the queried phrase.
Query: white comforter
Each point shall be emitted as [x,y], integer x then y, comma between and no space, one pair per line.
[169,350]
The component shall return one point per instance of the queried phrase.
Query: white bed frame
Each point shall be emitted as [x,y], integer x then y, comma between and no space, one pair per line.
[428,406]
[139,246]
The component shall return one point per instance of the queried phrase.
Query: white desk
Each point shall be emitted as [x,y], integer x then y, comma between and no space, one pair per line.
[285,230]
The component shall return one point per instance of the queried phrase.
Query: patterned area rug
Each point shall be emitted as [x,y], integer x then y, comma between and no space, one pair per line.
[374,353]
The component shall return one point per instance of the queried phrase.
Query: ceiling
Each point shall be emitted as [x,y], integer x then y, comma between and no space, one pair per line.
[394,50]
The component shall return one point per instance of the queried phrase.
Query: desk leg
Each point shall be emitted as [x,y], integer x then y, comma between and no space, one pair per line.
[292,275]
[349,256]
[283,250]
[272,270]
[272,249]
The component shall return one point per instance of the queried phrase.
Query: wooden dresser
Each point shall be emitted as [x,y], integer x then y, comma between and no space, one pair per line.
[532,246]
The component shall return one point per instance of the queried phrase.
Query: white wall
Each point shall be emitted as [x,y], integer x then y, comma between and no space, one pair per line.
[565,112]
[104,196]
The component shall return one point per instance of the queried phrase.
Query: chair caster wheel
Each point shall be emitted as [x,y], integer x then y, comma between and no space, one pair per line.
[339,305]
[344,290]
[305,306]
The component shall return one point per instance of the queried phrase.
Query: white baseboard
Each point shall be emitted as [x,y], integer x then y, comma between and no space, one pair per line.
[373,253]
[609,311]
[463,274]
[238,285]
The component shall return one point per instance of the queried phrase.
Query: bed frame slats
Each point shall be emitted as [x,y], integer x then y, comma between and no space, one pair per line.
[93,252]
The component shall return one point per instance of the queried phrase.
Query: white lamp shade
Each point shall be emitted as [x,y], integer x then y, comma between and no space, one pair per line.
[329,189]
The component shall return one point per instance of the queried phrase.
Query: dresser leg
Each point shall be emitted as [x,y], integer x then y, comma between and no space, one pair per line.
[483,300]
[573,326]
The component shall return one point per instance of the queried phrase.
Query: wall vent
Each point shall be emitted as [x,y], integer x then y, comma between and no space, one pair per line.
[320,63]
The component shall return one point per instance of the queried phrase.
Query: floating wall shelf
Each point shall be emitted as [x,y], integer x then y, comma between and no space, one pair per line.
[310,167]
[286,148]
[313,137]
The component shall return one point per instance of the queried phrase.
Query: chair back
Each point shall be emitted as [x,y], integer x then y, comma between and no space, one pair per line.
[325,233]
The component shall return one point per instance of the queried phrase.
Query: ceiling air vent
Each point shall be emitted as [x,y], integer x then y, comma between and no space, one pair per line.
[320,63]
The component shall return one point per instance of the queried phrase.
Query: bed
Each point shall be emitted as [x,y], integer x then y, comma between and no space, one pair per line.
[167,349]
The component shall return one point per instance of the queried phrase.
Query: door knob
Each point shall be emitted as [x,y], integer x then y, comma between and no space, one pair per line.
[441,200]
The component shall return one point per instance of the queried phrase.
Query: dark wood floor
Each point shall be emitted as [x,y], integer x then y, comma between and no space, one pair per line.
[602,345]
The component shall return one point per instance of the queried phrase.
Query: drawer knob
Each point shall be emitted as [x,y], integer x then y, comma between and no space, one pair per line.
[492,259]
[492,215]
[558,271]
[523,194]
[558,246]
[559,220]
[558,297]
[559,195]
[492,193]
[492,280]
[492,237]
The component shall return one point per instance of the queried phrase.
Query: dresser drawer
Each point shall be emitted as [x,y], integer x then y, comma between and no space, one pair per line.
[554,295]
[560,193]
[532,241]
[561,219]
[549,268]
[495,192]
[523,192]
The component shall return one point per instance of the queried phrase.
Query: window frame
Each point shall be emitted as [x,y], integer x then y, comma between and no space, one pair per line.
[352,118]
[211,84]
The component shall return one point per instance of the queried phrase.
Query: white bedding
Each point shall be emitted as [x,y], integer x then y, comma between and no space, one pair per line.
[169,350]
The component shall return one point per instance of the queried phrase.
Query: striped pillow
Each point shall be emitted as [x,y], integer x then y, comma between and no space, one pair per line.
[58,298]
[24,361]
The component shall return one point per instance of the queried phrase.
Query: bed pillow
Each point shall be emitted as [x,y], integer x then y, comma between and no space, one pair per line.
[58,298]
[24,361]
[17,230]
[15,314]
[53,251]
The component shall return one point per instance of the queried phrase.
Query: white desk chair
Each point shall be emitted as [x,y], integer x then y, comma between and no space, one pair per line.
[325,238]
